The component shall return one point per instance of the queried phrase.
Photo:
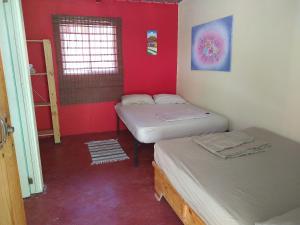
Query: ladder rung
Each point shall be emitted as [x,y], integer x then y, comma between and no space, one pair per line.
[44,133]
[35,41]
[38,74]
[42,104]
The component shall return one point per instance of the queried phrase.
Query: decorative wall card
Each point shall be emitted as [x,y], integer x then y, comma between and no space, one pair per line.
[152,42]
[211,45]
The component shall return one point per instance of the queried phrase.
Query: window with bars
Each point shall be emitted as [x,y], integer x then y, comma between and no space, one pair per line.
[89,58]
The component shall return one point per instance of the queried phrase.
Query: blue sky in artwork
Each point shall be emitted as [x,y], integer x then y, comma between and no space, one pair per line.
[151,33]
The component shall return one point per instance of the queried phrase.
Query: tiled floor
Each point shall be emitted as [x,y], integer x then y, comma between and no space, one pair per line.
[111,194]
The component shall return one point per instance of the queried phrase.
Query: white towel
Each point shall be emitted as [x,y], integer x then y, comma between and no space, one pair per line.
[231,144]
[221,141]
[185,114]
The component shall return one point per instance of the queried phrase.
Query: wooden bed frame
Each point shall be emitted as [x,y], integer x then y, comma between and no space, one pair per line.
[163,188]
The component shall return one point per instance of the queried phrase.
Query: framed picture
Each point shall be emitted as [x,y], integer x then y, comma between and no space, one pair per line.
[211,45]
[152,42]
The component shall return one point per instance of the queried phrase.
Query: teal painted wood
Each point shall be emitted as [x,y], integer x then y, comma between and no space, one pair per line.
[15,59]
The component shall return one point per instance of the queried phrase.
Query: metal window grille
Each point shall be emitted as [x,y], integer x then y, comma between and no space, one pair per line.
[89,58]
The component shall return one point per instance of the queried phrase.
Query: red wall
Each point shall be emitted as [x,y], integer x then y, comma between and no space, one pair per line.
[142,73]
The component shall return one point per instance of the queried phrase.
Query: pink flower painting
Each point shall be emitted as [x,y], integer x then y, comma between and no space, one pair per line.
[211,45]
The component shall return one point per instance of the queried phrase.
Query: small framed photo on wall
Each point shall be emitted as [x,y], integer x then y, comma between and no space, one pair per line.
[152,42]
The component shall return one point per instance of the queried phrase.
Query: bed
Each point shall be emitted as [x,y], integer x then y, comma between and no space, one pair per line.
[150,123]
[204,189]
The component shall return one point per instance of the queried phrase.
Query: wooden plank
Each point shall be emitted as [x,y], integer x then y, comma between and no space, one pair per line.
[52,89]
[45,133]
[38,74]
[42,104]
[164,188]
[34,41]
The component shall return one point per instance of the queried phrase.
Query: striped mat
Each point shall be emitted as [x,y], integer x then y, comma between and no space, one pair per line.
[106,151]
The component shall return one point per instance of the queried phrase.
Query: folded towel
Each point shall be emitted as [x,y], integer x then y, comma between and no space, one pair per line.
[231,144]
[184,114]
[221,141]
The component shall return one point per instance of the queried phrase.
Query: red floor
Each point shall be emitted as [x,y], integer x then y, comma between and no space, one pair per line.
[110,194]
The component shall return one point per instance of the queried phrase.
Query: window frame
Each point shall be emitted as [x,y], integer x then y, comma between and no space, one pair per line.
[110,84]
[86,44]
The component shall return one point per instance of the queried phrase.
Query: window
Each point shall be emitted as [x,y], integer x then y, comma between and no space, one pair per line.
[88,49]
[89,58]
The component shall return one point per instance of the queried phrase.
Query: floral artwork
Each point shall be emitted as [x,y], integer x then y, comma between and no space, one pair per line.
[211,45]
[152,42]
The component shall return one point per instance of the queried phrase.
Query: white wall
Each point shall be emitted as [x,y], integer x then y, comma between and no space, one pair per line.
[263,87]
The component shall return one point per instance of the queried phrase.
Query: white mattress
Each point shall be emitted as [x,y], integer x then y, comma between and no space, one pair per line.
[238,191]
[145,123]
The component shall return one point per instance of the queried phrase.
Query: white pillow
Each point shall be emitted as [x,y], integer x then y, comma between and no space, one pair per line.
[137,99]
[168,99]
[290,218]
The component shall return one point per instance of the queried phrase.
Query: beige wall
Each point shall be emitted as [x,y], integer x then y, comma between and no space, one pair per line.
[263,87]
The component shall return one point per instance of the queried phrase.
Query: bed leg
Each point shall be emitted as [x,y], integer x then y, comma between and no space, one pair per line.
[118,126]
[157,196]
[135,152]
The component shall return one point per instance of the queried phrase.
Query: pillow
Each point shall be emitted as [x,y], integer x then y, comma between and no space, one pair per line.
[290,218]
[137,99]
[168,99]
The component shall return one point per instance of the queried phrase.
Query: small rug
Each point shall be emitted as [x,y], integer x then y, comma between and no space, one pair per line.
[106,151]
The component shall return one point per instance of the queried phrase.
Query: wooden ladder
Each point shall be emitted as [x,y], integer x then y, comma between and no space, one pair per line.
[52,91]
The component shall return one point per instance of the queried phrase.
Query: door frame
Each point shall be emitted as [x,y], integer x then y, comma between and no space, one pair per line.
[12,211]
[19,91]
